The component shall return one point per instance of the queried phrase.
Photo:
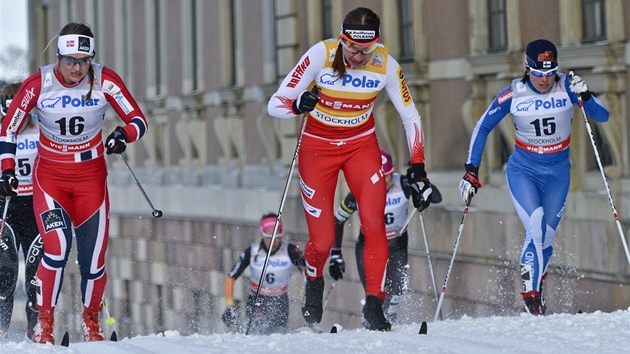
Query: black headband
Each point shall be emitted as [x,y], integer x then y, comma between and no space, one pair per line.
[360,33]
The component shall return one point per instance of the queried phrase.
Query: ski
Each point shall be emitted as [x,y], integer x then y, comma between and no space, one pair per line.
[315,328]
[423,328]
[336,328]
[65,341]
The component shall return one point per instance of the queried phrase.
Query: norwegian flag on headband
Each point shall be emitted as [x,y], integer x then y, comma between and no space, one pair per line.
[75,44]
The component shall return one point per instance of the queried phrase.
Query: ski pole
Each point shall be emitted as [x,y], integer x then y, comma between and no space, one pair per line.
[450,265]
[601,170]
[332,286]
[436,198]
[4,214]
[156,213]
[315,90]
[110,320]
[407,221]
[426,246]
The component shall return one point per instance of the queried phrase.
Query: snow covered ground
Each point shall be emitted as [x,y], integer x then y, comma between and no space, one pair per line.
[596,332]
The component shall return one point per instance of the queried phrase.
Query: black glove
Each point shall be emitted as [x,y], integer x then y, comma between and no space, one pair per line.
[307,101]
[116,142]
[420,186]
[230,315]
[8,184]
[337,266]
[469,185]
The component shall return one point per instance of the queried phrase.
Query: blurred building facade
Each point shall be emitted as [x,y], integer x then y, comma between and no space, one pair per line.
[214,161]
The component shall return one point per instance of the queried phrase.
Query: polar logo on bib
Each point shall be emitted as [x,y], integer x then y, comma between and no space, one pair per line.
[363,81]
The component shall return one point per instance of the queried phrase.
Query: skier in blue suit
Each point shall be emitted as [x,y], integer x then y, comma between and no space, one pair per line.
[538,172]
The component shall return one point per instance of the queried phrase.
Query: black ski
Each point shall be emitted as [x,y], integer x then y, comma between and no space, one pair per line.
[336,328]
[65,341]
[423,328]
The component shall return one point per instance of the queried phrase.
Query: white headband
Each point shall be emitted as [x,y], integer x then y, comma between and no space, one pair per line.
[75,44]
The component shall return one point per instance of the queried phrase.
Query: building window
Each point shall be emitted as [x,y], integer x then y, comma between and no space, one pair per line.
[126,46]
[497,25]
[193,59]
[236,42]
[327,24]
[269,37]
[405,8]
[154,58]
[594,20]
[286,40]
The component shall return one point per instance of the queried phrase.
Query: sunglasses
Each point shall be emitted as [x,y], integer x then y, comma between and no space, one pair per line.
[355,49]
[540,73]
[70,61]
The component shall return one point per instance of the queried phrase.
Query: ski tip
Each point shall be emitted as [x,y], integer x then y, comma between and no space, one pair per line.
[314,327]
[336,328]
[65,341]
[113,337]
[423,328]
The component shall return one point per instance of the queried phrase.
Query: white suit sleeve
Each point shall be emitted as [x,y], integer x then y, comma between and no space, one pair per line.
[297,81]
[400,96]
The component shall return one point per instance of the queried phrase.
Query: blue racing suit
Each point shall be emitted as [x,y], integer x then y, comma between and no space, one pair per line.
[538,172]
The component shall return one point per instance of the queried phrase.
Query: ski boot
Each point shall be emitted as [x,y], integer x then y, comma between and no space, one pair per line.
[373,317]
[312,307]
[31,320]
[533,303]
[390,308]
[542,295]
[92,331]
[43,331]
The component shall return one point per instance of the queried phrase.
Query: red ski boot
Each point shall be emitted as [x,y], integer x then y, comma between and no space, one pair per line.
[43,331]
[534,303]
[92,331]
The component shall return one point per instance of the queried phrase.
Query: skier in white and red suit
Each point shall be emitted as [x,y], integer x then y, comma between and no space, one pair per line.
[340,136]
[70,172]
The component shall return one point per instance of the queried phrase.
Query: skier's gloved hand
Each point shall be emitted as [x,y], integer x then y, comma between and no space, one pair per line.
[230,315]
[579,87]
[8,184]
[306,102]
[116,142]
[337,265]
[420,186]
[469,185]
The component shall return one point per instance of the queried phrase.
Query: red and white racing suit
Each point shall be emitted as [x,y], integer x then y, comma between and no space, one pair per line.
[340,135]
[70,174]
